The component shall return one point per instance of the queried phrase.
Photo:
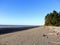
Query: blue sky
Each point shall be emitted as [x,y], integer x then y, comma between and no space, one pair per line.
[26,12]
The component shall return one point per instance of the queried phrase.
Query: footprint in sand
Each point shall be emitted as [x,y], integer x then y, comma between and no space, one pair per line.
[56,43]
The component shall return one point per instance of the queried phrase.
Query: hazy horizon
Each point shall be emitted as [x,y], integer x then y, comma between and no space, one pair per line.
[26,12]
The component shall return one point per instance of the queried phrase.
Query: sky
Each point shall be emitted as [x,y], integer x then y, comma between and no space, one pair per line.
[26,12]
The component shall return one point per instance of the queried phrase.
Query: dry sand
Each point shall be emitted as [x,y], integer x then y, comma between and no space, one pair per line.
[36,36]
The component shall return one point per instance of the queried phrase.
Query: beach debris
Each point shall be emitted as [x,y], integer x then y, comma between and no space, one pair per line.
[44,35]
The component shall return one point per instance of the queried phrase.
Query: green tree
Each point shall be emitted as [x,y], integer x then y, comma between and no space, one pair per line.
[53,19]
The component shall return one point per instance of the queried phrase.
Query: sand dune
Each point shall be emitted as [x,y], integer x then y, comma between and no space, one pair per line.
[36,36]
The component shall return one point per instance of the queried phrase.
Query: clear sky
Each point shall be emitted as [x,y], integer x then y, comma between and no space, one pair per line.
[26,12]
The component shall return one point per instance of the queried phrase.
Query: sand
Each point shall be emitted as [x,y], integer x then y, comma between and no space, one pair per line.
[43,35]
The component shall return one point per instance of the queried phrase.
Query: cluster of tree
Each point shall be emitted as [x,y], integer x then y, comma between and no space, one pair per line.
[52,19]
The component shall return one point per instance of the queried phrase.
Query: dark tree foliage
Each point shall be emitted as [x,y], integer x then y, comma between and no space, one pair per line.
[52,19]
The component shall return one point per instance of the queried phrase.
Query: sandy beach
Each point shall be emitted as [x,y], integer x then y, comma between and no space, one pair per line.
[44,35]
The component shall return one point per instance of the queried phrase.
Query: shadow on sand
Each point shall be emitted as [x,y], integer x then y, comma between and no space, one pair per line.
[14,29]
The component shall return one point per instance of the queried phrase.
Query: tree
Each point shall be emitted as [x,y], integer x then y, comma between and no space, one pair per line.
[53,19]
